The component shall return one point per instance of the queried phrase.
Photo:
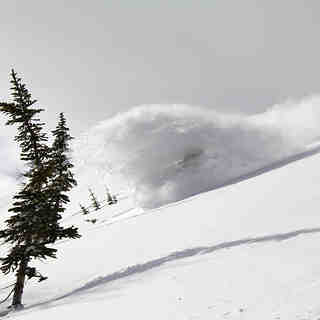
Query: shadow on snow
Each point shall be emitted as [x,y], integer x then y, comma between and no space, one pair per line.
[140,268]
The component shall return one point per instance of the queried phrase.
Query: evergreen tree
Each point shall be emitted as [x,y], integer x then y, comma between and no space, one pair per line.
[95,203]
[84,209]
[62,179]
[34,223]
[91,220]
[114,199]
[109,197]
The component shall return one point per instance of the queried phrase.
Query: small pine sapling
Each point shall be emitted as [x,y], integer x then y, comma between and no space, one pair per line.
[109,197]
[84,210]
[114,199]
[91,220]
[95,203]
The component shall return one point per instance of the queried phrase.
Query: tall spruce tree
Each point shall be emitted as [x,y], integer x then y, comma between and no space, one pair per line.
[36,210]
[62,179]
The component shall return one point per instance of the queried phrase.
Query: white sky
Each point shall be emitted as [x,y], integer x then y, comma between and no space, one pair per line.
[95,58]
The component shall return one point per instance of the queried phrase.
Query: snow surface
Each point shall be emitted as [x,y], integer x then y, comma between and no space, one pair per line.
[246,251]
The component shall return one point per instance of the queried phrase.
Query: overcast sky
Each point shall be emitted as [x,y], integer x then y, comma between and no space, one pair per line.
[95,58]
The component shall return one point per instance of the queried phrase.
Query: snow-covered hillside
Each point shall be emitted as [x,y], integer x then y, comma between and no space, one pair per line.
[246,251]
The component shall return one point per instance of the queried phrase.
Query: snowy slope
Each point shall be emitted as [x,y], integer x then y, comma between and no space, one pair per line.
[246,251]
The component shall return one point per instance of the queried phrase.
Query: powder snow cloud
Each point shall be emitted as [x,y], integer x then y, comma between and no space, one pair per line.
[166,153]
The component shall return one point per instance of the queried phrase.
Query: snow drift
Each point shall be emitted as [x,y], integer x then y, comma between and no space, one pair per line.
[165,153]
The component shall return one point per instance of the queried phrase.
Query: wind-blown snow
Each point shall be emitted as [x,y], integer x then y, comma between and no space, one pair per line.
[165,153]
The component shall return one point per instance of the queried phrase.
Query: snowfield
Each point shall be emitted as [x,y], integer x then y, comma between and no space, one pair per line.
[246,251]
[218,217]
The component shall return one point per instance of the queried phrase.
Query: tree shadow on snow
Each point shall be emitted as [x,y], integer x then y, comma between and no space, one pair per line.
[140,268]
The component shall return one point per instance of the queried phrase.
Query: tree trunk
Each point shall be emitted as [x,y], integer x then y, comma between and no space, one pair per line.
[18,288]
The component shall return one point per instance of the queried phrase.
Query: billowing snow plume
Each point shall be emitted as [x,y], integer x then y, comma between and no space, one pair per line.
[165,153]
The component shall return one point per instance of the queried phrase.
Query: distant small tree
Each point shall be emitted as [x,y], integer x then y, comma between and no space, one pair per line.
[84,209]
[92,220]
[36,211]
[95,203]
[109,196]
[111,199]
